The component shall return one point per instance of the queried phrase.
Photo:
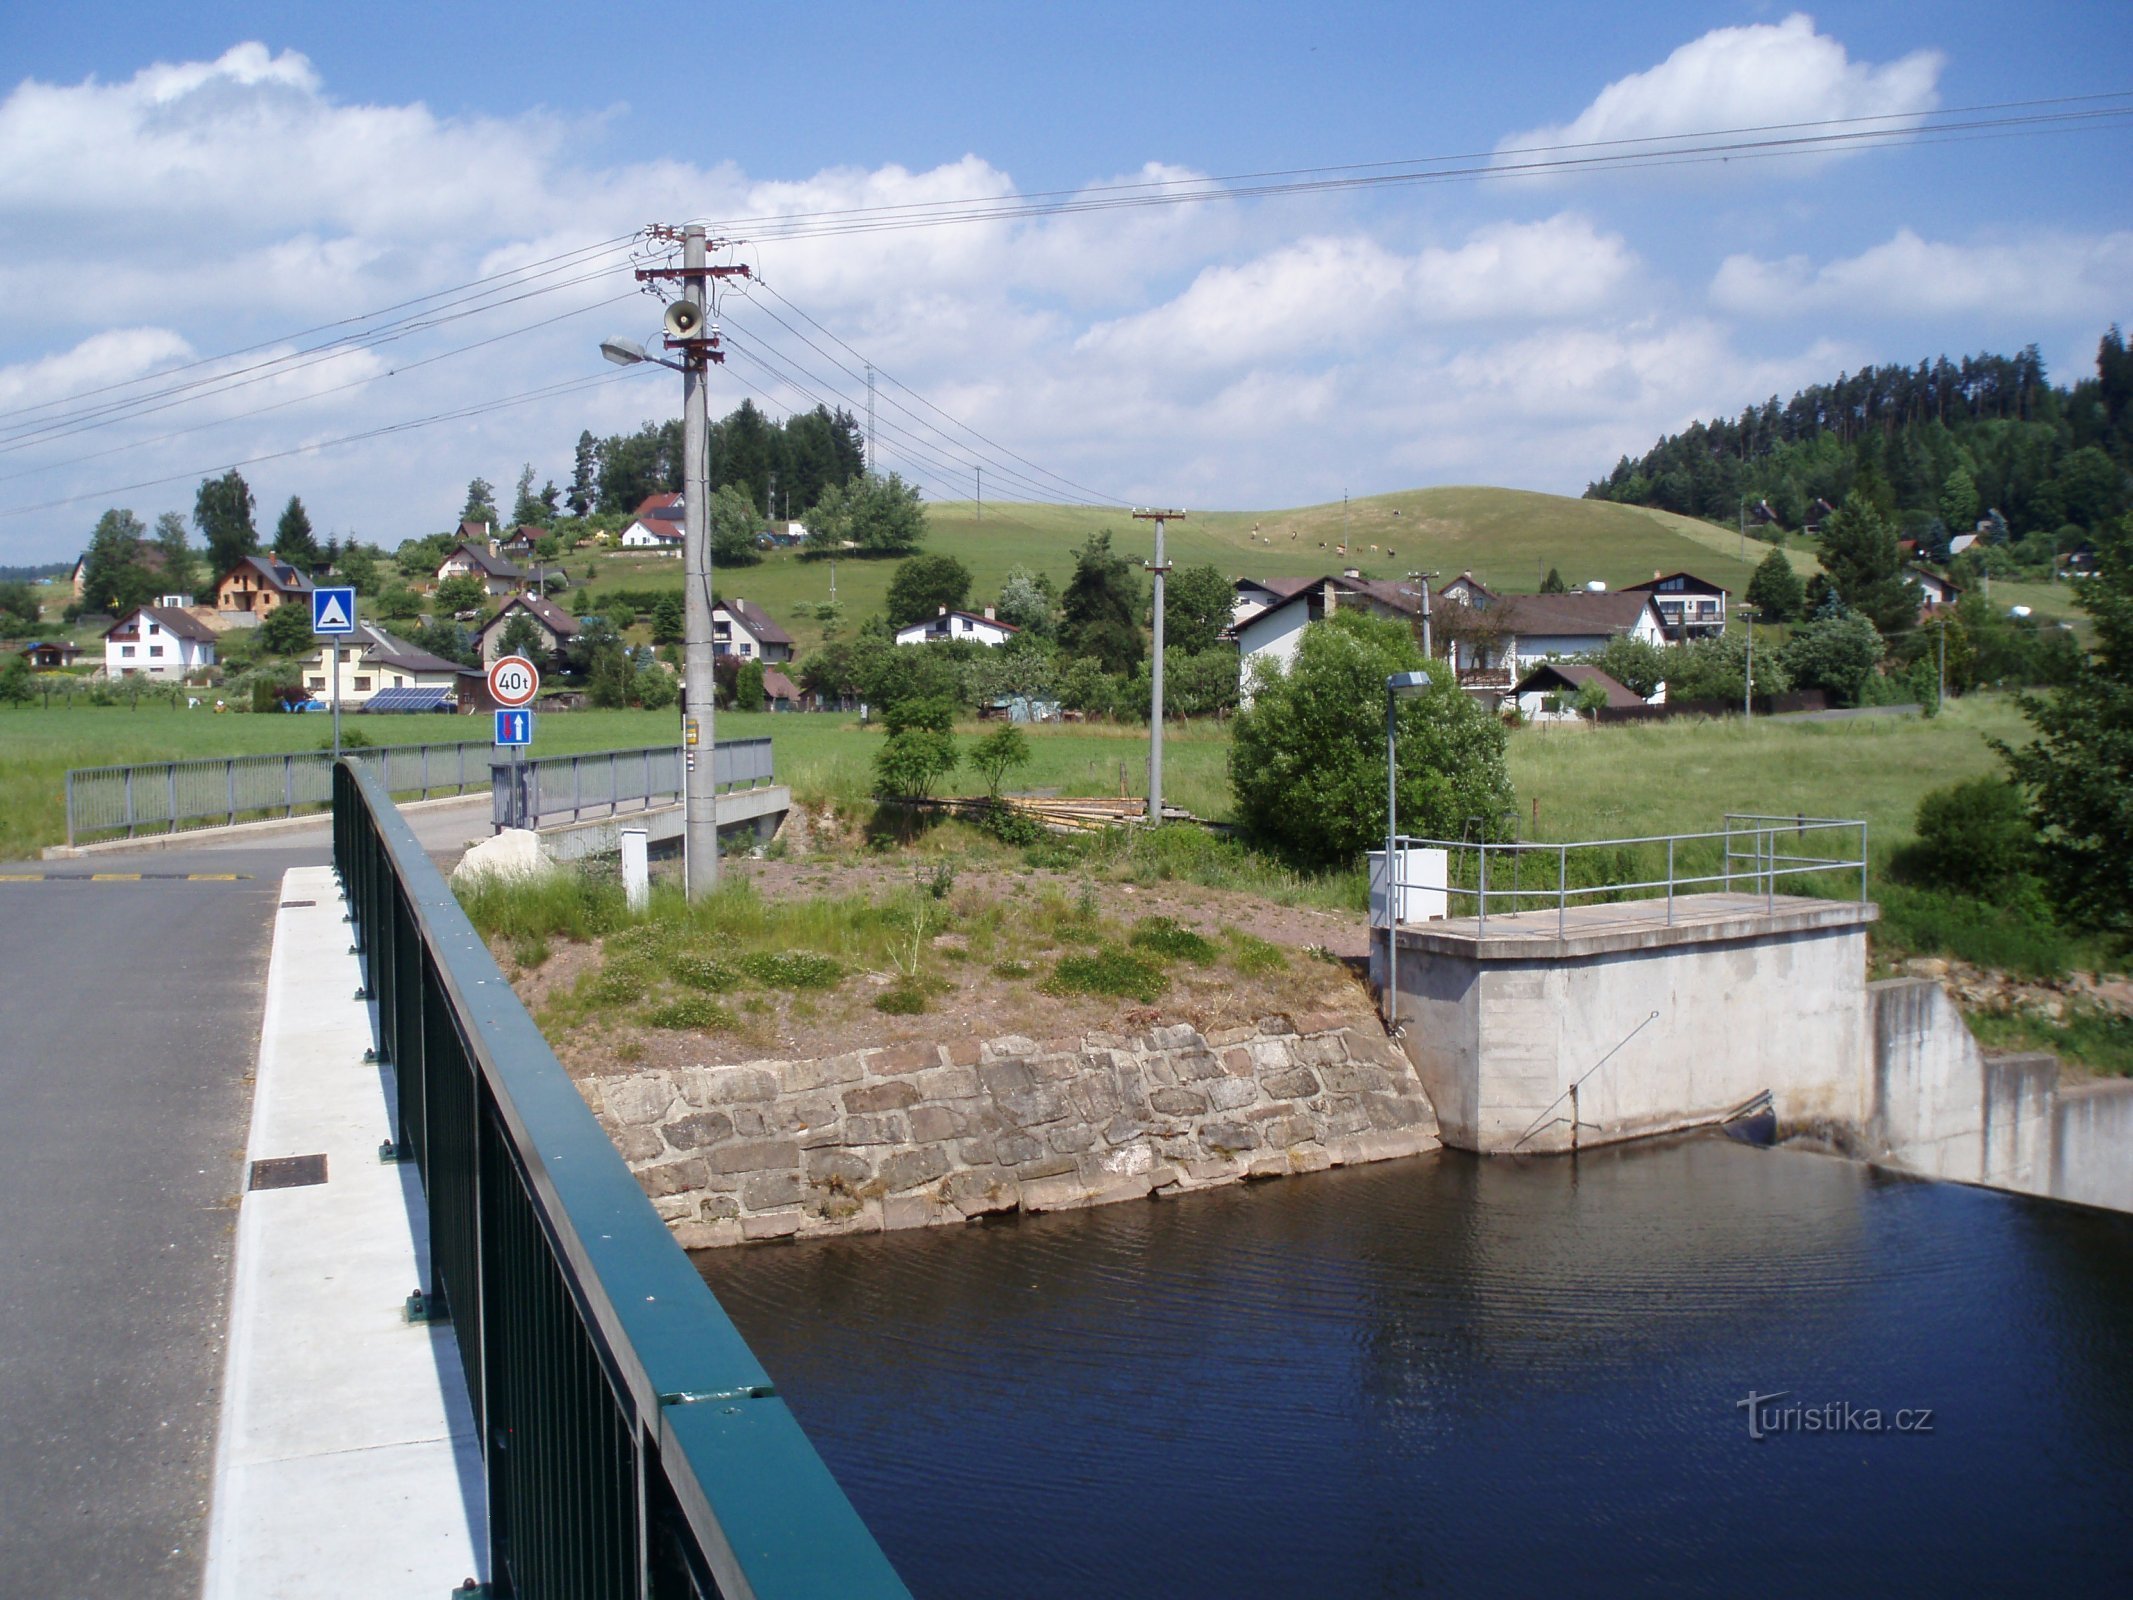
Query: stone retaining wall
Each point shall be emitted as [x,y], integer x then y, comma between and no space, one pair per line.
[914,1135]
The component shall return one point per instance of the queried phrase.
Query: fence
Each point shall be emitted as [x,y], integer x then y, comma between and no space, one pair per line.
[568,788]
[165,796]
[1766,705]
[1748,855]
[632,1445]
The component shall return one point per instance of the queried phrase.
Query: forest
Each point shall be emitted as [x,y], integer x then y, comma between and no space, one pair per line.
[798,458]
[1937,448]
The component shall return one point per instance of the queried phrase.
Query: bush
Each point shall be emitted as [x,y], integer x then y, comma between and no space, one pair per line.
[909,764]
[692,1014]
[1164,937]
[704,972]
[1975,838]
[1108,970]
[792,969]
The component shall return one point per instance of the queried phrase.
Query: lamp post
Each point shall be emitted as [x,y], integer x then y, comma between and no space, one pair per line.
[1747,693]
[1400,686]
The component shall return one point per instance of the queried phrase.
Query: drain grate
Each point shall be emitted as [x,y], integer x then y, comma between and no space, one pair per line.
[290,905]
[288,1172]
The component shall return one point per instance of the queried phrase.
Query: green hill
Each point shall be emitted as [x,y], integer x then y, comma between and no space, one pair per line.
[1507,537]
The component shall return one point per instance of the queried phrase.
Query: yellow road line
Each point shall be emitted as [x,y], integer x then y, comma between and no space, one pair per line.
[114,877]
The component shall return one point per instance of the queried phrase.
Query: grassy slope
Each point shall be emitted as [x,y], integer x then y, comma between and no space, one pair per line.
[1507,537]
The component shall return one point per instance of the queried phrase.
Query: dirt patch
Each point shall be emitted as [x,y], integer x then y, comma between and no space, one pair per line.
[974,997]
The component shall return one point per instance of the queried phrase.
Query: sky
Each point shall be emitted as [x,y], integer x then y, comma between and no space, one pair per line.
[189,195]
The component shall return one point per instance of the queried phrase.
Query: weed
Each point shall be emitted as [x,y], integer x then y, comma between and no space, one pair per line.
[550,905]
[1108,970]
[936,880]
[530,952]
[792,969]
[691,1014]
[628,1050]
[1085,906]
[704,972]
[1166,938]
[1011,969]
[1052,855]
[2098,1040]
[1253,956]
[901,1000]
[619,983]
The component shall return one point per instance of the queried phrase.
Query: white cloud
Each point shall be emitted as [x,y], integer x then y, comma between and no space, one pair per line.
[2047,276]
[1756,76]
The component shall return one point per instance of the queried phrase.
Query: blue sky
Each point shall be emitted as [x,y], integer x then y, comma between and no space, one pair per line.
[176,186]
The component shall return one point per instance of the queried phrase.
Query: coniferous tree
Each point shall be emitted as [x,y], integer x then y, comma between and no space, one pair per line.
[1863,566]
[1776,591]
[180,566]
[1553,583]
[1102,607]
[584,475]
[293,539]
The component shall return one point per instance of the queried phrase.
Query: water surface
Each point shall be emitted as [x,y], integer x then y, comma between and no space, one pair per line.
[1460,1376]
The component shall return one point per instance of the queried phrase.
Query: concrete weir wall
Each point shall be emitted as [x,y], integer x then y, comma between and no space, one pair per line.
[1700,1016]
[915,1135]
[1943,1108]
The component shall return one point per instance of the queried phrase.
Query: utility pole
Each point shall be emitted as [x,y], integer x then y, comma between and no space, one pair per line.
[873,466]
[1344,519]
[770,500]
[1155,710]
[1423,579]
[696,339]
[1940,684]
[1747,693]
[981,494]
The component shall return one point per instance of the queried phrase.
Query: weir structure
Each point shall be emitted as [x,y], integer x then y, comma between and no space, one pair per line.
[631,1443]
[1582,993]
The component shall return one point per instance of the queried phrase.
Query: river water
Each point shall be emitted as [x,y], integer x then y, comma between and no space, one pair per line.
[1456,1376]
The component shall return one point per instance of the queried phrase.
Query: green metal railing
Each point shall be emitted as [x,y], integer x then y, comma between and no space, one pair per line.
[633,1446]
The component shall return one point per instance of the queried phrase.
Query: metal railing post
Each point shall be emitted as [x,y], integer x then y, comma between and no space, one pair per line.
[1481,925]
[129,802]
[1562,887]
[1670,883]
[70,810]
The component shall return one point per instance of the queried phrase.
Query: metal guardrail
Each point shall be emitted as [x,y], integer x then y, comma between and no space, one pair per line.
[165,796]
[1748,854]
[603,783]
[632,1444]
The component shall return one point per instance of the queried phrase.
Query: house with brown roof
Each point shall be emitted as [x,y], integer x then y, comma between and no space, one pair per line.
[1689,607]
[739,628]
[1273,634]
[374,661]
[472,559]
[257,584]
[1549,691]
[158,642]
[48,655]
[555,626]
[987,630]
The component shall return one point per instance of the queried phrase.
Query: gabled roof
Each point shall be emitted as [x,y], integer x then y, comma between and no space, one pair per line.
[779,687]
[378,648]
[1473,585]
[1283,588]
[477,531]
[659,508]
[969,616]
[1574,675]
[552,616]
[1689,584]
[1580,612]
[183,624]
[757,621]
[481,556]
[1404,598]
[60,645]
[272,573]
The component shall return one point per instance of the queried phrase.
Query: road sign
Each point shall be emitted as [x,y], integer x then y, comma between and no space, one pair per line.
[514,727]
[513,681]
[333,611]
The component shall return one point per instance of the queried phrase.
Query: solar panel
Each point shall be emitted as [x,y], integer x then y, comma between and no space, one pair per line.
[410,700]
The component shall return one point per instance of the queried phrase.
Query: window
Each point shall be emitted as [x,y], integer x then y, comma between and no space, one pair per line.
[315,683]
[362,684]
[126,650]
[154,628]
[155,650]
[747,649]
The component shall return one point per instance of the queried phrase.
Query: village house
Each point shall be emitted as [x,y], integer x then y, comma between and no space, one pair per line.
[1689,607]
[656,525]
[257,584]
[1934,591]
[780,693]
[555,626]
[161,641]
[741,629]
[1273,633]
[49,655]
[987,630]
[374,662]
[469,559]
[1549,692]
[1254,595]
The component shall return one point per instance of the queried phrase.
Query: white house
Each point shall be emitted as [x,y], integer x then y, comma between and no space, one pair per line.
[158,642]
[471,560]
[1934,591]
[554,626]
[1560,682]
[657,525]
[1255,595]
[373,661]
[987,630]
[1273,633]
[741,629]
[1689,607]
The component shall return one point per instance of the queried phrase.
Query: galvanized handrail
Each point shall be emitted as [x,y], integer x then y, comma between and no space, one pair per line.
[603,783]
[632,1444]
[1761,864]
[161,796]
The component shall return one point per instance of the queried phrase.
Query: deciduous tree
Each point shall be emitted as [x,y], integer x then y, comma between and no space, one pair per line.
[1102,606]
[924,586]
[222,511]
[1197,602]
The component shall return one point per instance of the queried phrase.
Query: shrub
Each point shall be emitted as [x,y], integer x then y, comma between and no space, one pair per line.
[792,969]
[704,972]
[1164,937]
[901,1000]
[1975,838]
[1108,970]
[692,1013]
[912,762]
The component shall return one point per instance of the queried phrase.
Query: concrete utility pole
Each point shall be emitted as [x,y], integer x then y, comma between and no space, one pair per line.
[1155,710]
[873,466]
[1747,693]
[981,494]
[1423,579]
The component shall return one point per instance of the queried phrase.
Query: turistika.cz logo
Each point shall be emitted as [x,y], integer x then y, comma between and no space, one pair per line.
[1768,1416]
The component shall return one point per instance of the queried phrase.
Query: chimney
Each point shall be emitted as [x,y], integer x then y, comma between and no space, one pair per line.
[988,614]
[944,611]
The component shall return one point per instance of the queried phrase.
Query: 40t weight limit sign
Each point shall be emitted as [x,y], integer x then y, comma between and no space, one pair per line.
[513,682]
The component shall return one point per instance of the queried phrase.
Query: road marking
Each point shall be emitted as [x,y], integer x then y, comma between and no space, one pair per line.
[125,877]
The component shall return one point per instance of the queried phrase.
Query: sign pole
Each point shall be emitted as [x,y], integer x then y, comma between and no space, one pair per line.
[336,700]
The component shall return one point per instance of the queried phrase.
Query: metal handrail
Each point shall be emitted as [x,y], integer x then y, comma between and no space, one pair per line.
[603,783]
[158,797]
[632,1444]
[1761,865]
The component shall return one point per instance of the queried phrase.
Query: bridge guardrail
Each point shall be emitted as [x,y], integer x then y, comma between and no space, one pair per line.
[163,796]
[632,1444]
[604,783]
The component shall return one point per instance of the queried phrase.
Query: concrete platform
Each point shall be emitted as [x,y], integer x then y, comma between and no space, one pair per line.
[758,810]
[347,1462]
[1590,929]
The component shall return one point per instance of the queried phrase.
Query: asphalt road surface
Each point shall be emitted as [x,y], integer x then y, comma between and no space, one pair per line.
[129,1029]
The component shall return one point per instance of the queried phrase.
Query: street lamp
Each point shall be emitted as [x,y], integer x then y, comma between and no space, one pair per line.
[1747,697]
[1400,686]
[628,352]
